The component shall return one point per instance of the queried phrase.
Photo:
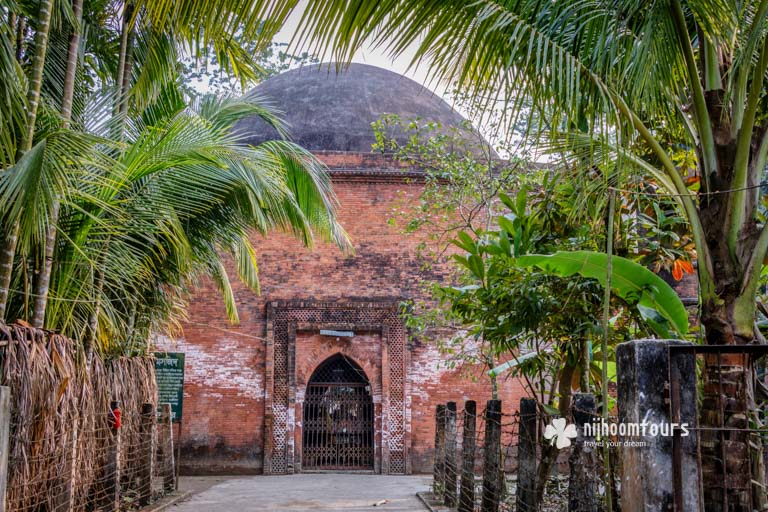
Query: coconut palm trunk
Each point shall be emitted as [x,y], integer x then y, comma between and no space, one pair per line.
[44,278]
[8,253]
[21,27]
[12,19]
[124,63]
[728,317]
[89,342]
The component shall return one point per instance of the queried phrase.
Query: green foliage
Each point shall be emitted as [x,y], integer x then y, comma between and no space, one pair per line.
[499,308]
[656,300]
[628,86]
[208,76]
[462,178]
[143,190]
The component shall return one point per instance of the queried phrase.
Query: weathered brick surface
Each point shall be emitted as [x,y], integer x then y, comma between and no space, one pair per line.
[224,412]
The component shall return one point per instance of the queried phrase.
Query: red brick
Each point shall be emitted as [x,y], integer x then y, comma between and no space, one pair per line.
[224,407]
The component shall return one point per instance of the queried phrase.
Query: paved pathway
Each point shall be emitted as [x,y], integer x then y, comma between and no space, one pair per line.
[308,492]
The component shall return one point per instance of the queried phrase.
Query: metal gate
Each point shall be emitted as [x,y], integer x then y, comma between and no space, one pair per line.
[338,418]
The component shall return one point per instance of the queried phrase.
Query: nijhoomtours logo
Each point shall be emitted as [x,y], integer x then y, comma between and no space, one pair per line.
[559,433]
[600,433]
[603,428]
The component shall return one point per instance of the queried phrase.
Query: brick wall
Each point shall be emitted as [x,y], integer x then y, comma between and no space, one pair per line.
[223,420]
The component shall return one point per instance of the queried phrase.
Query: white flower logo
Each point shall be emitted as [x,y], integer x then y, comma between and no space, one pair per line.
[559,433]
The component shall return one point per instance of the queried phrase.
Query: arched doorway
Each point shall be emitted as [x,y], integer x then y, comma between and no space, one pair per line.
[337,424]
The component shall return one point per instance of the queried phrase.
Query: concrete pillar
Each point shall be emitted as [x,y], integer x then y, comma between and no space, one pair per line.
[527,466]
[5,429]
[147,453]
[467,487]
[584,461]
[492,458]
[439,465]
[644,399]
[165,448]
[449,488]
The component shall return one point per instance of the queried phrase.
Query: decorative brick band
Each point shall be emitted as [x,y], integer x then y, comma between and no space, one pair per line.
[284,318]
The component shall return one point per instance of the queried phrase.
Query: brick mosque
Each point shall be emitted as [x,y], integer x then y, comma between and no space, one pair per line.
[321,373]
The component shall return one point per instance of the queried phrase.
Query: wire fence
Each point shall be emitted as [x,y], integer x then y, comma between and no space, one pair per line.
[83,433]
[492,461]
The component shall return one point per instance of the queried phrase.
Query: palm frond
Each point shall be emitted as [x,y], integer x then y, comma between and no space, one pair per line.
[12,101]
[213,24]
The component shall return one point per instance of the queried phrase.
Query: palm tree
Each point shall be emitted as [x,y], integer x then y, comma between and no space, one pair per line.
[33,102]
[621,84]
[123,191]
[182,193]
[67,99]
[164,26]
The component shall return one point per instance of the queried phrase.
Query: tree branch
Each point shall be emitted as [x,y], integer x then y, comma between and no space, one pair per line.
[686,197]
[701,114]
[754,267]
[744,150]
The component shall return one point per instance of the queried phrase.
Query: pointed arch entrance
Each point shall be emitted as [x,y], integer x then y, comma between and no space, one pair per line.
[338,418]
[284,389]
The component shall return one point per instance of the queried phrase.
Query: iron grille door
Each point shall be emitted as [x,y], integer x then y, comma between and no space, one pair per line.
[338,419]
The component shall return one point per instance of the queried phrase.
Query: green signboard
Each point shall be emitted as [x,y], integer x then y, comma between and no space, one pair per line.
[169,372]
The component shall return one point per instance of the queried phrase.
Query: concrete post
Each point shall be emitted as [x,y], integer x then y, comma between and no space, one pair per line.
[112,470]
[492,457]
[439,465]
[584,461]
[5,430]
[648,472]
[526,456]
[165,448]
[177,457]
[451,474]
[467,487]
[146,456]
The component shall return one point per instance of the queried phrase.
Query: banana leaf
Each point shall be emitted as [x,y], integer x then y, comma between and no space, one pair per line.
[657,302]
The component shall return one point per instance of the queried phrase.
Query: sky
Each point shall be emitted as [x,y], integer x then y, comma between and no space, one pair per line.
[373,56]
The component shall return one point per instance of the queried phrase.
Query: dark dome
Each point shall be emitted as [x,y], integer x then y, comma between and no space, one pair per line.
[326,111]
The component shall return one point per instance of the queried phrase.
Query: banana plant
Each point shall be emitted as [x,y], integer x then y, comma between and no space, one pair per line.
[656,301]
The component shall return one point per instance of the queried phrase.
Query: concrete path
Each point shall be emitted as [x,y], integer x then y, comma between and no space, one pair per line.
[307,492]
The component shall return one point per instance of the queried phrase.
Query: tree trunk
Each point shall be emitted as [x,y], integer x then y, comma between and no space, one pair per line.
[732,461]
[732,478]
[44,278]
[124,62]
[93,317]
[757,455]
[12,19]
[725,455]
[43,282]
[73,53]
[7,253]
[549,451]
[33,98]
[732,475]
[584,376]
[21,28]
[36,75]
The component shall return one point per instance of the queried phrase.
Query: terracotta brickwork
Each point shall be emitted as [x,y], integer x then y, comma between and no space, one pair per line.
[244,390]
